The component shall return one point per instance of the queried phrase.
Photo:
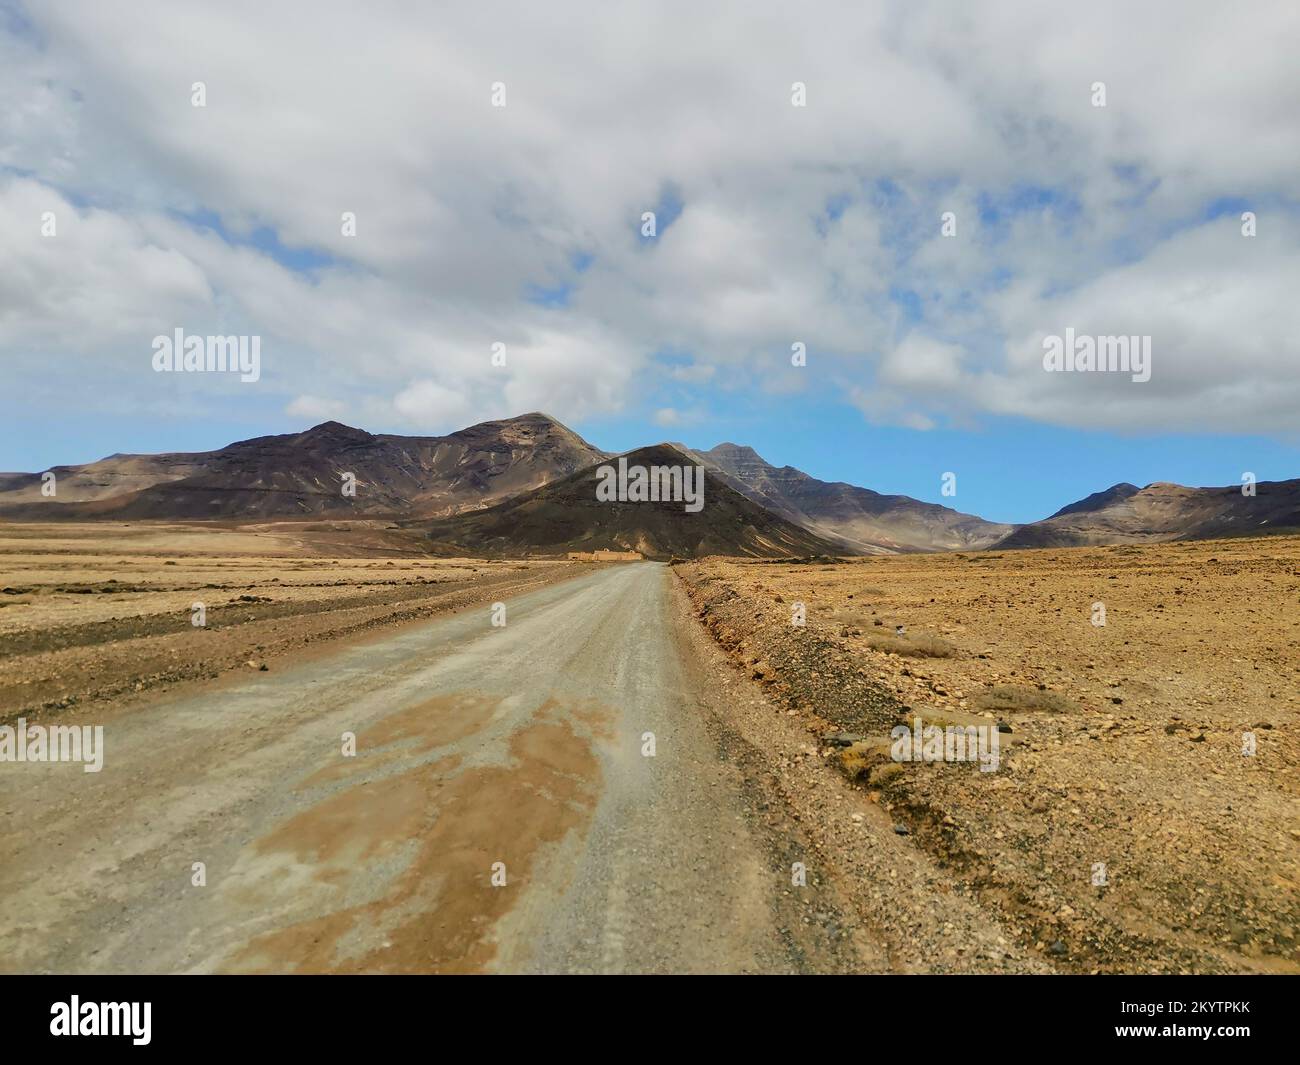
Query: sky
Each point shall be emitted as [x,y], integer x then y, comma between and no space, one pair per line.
[919,195]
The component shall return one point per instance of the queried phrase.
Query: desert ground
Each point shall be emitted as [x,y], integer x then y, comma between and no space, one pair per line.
[1123,745]
[770,831]
[93,612]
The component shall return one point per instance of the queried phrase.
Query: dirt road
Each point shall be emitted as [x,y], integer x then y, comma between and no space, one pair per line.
[519,754]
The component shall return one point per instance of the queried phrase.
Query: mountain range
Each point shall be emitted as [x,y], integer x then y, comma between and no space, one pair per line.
[527,485]
[300,475]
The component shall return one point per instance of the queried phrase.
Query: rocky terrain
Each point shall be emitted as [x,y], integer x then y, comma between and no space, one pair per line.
[1125,830]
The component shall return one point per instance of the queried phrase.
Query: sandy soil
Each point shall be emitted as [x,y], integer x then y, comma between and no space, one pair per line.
[1125,742]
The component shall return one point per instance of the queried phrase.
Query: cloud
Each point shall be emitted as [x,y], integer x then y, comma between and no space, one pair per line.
[816,224]
[1219,309]
[429,404]
[924,363]
[677,417]
[314,408]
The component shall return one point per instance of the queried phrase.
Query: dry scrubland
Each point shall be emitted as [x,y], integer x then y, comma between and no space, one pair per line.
[1125,741]
[92,612]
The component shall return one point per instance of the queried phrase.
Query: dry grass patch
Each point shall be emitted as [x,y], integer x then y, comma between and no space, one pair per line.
[910,645]
[1014,699]
[858,759]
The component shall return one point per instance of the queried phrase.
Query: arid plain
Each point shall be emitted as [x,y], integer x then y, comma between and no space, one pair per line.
[1125,830]
[98,611]
[1123,751]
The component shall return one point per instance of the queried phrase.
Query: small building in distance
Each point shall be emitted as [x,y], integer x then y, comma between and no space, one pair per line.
[604,556]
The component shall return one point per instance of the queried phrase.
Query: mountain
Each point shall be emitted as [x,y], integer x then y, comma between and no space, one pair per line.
[1125,514]
[301,474]
[857,518]
[1115,494]
[566,515]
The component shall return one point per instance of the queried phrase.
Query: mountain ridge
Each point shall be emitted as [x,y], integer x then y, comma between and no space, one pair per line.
[865,521]
[290,475]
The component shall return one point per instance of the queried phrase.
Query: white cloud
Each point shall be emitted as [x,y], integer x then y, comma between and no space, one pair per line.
[924,363]
[314,408]
[431,405]
[1225,338]
[818,224]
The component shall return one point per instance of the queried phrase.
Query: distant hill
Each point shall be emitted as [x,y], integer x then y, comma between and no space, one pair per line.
[1125,514]
[301,475]
[863,521]
[566,515]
